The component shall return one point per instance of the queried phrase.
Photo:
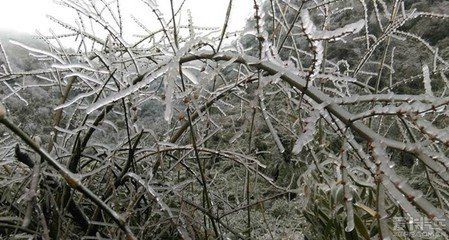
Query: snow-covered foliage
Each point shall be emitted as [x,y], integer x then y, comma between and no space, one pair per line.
[189,132]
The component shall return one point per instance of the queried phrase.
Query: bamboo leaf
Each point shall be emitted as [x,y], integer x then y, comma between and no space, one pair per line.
[365,208]
[360,226]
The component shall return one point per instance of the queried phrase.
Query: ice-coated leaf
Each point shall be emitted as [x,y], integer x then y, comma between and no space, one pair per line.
[75,99]
[361,176]
[147,79]
[70,131]
[190,75]
[273,131]
[426,79]
[84,77]
[361,227]
[365,208]
[72,66]
[169,84]
[308,132]
[236,136]
[239,133]
[112,124]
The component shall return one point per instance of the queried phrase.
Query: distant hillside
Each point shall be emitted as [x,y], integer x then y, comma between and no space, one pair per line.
[19,57]
[29,105]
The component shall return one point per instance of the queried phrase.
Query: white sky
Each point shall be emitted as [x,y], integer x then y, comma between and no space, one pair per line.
[30,15]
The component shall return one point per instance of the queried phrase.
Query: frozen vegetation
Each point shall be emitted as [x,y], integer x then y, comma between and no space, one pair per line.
[319,120]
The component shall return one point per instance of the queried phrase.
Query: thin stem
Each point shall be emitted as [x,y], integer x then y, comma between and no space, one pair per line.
[225,25]
[175,30]
[287,34]
[202,173]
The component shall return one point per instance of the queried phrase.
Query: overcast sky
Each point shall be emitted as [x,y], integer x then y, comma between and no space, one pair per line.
[30,15]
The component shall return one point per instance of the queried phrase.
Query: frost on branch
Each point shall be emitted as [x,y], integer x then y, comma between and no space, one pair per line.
[316,45]
[316,37]
[340,33]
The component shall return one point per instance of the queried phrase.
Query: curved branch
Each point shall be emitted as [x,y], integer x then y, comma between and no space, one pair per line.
[427,157]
